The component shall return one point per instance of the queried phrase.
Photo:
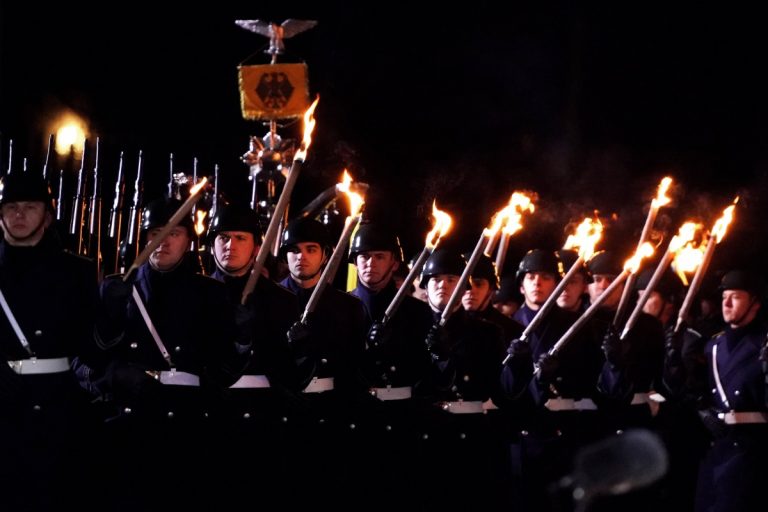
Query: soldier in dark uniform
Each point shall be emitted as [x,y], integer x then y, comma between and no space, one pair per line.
[48,297]
[507,299]
[574,296]
[735,468]
[462,454]
[558,400]
[252,412]
[329,345]
[395,360]
[537,275]
[172,340]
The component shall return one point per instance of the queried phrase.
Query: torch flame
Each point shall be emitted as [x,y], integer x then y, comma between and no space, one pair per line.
[661,198]
[633,263]
[356,201]
[194,190]
[588,233]
[508,218]
[199,224]
[309,127]
[442,225]
[687,260]
[684,235]
[721,224]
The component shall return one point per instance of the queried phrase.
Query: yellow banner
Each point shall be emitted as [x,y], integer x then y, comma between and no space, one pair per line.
[273,91]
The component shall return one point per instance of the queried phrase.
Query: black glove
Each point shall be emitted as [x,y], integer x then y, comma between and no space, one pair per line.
[549,367]
[715,426]
[437,342]
[130,382]
[519,351]
[673,343]
[299,334]
[614,348]
[378,335]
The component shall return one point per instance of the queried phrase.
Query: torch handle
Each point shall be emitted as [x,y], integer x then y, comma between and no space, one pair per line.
[655,278]
[410,278]
[463,280]
[544,309]
[696,282]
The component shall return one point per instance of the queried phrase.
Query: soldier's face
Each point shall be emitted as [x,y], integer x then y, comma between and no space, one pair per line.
[537,287]
[598,286]
[439,290]
[478,295]
[375,268]
[171,249]
[739,307]
[234,251]
[570,298]
[305,260]
[24,221]
[654,305]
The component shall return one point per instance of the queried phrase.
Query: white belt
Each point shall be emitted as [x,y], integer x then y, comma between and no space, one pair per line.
[733,418]
[569,404]
[463,407]
[35,365]
[318,385]
[174,378]
[390,393]
[251,381]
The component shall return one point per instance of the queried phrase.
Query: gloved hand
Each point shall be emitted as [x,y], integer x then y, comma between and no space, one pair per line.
[549,367]
[299,334]
[614,348]
[519,351]
[437,343]
[378,335]
[130,382]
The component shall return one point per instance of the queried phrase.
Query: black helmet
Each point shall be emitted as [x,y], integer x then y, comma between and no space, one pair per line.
[235,217]
[569,257]
[605,262]
[304,229]
[25,186]
[442,261]
[485,269]
[670,286]
[742,279]
[374,237]
[509,290]
[539,260]
[157,213]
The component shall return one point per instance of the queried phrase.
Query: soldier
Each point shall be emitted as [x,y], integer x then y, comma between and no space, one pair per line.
[484,284]
[537,275]
[48,297]
[663,301]
[574,296]
[734,469]
[395,360]
[252,414]
[507,298]
[329,345]
[466,357]
[172,340]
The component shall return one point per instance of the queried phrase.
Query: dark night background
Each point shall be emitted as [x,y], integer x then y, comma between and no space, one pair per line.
[589,107]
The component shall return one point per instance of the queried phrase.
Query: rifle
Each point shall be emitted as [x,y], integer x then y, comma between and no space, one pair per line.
[134,211]
[10,156]
[47,157]
[60,197]
[170,178]
[78,206]
[94,212]
[116,212]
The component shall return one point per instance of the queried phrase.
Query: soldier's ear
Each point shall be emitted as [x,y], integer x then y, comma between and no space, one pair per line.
[48,219]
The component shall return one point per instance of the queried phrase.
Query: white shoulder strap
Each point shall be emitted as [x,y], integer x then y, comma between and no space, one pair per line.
[151,326]
[14,323]
[716,373]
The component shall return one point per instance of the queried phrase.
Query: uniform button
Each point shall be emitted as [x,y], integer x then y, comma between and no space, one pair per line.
[177,349]
[392,369]
[322,420]
[127,410]
[714,391]
[38,333]
[737,392]
[462,436]
[352,426]
[425,436]
[134,344]
[36,407]
[619,432]
[247,415]
[170,414]
[735,444]
[388,428]
[454,388]
[523,432]
[466,378]
[284,419]
[323,361]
